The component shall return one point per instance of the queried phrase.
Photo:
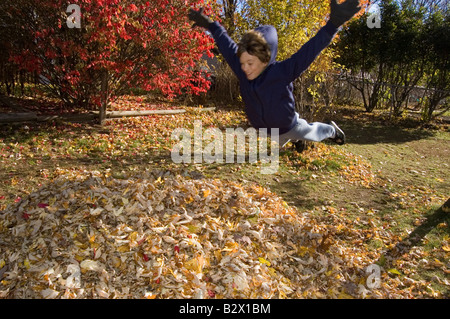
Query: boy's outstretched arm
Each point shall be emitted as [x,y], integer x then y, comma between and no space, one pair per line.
[302,59]
[226,45]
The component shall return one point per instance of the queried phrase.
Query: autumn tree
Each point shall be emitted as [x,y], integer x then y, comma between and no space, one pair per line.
[228,10]
[145,44]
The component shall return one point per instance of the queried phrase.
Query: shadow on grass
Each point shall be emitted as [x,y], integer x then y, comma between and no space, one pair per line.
[295,193]
[416,236]
[374,134]
[23,132]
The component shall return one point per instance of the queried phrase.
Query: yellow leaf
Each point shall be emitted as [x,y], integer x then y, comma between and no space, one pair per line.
[438,263]
[133,236]
[445,248]
[193,229]
[80,244]
[218,255]
[253,219]
[263,261]
[272,271]
[123,248]
[196,264]
[52,201]
[231,246]
[394,271]
[302,250]
[206,193]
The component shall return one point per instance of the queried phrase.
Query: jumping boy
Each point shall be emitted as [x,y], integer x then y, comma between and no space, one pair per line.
[266,84]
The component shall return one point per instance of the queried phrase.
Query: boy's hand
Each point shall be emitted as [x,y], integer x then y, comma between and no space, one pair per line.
[341,13]
[199,18]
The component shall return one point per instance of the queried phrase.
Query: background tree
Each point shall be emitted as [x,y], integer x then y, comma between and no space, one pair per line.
[437,68]
[429,6]
[228,13]
[366,54]
[407,60]
[410,50]
[12,36]
[144,44]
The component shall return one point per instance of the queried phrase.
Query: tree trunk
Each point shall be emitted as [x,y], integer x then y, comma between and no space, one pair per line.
[104,94]
[18,117]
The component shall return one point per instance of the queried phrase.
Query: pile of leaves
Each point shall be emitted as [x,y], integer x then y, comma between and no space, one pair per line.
[166,235]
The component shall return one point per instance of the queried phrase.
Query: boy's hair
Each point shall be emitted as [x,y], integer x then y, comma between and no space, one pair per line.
[253,43]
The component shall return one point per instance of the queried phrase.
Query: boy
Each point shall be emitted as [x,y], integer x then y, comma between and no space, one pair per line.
[266,84]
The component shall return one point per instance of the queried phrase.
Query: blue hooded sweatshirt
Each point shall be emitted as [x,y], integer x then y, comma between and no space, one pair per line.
[269,99]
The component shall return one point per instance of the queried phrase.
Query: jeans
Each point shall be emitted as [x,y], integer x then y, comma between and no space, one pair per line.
[303,130]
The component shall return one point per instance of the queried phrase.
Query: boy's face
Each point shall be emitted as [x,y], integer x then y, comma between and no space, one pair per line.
[251,65]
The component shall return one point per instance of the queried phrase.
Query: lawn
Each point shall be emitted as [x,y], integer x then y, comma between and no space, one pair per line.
[310,230]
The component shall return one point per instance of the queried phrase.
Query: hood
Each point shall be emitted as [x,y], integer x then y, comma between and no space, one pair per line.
[271,36]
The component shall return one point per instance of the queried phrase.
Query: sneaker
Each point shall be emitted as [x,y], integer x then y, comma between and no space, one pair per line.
[340,136]
[300,145]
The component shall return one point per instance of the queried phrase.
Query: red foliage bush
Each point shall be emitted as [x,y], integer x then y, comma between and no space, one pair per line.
[144,44]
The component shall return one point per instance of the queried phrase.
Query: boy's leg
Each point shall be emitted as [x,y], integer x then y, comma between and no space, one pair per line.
[314,132]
